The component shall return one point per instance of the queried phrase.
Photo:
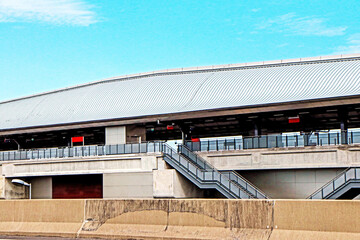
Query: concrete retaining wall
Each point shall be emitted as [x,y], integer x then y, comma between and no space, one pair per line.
[182,219]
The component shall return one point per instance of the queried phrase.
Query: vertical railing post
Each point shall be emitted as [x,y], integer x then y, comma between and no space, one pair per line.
[355,172]
[318,139]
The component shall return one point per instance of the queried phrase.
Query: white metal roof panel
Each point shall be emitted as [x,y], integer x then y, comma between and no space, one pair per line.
[184,91]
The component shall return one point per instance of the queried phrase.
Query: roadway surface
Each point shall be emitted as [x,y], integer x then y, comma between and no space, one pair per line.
[44,238]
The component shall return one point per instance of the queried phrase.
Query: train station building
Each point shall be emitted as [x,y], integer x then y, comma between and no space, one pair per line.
[275,129]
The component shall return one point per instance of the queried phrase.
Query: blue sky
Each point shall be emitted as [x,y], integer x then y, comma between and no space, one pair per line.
[50,44]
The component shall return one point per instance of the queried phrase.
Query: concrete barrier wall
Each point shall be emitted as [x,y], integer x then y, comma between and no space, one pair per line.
[316,219]
[182,219]
[41,217]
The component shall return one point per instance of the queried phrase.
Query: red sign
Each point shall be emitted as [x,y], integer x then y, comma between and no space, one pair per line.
[170,127]
[195,139]
[77,139]
[294,119]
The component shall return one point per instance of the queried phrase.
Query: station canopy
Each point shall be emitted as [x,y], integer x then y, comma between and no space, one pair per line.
[187,91]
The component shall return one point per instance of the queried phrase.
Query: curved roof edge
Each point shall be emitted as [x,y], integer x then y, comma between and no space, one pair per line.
[271,63]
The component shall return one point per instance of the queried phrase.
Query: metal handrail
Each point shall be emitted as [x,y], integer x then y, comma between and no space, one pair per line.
[247,182]
[332,181]
[81,151]
[257,190]
[271,141]
[196,155]
[211,170]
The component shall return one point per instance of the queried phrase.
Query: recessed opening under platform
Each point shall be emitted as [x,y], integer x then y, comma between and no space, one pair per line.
[77,186]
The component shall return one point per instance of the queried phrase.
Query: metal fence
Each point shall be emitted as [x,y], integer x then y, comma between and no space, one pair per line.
[83,151]
[273,141]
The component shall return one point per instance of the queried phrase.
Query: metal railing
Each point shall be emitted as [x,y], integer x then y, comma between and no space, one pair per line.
[337,183]
[83,151]
[204,177]
[232,175]
[275,141]
[205,174]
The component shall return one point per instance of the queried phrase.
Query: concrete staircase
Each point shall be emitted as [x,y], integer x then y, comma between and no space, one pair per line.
[205,176]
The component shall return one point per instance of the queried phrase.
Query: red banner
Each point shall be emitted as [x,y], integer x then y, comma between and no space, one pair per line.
[294,119]
[77,139]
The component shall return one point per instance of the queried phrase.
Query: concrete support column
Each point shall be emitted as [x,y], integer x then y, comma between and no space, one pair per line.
[8,190]
[343,115]
[257,128]
[135,134]
[185,133]
[115,135]
[125,134]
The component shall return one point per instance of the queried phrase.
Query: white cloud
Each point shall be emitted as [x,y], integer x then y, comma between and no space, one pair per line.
[73,12]
[305,26]
[282,45]
[352,45]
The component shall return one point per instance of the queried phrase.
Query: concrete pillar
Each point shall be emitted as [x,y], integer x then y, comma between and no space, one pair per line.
[115,135]
[344,129]
[8,190]
[41,188]
[257,128]
[135,134]
[343,116]
[185,133]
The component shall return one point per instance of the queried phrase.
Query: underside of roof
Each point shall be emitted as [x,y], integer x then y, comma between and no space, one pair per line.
[185,91]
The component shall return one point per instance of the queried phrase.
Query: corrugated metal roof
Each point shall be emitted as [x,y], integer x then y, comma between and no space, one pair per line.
[183,91]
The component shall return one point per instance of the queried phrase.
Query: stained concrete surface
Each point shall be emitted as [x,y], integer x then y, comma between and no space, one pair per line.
[2,237]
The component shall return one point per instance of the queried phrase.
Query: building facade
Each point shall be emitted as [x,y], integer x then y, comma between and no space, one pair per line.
[278,129]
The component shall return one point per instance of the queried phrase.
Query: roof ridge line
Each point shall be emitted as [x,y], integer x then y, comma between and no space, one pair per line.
[197,69]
